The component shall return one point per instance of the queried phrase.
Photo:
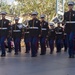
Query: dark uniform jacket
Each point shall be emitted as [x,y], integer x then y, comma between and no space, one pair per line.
[44,28]
[34,27]
[26,32]
[4,27]
[51,34]
[59,32]
[17,30]
[10,31]
[64,35]
[69,16]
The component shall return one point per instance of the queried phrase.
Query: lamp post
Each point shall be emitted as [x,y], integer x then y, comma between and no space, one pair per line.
[60,8]
[15,7]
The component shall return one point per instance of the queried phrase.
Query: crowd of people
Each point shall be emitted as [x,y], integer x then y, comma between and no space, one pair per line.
[36,32]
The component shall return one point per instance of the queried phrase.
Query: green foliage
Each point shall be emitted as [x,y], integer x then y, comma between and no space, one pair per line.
[4,7]
[47,7]
[42,6]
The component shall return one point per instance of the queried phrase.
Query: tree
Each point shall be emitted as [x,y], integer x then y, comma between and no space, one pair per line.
[4,7]
[46,7]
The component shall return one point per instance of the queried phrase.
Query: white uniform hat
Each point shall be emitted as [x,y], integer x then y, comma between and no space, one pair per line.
[34,13]
[42,16]
[71,3]
[3,13]
[16,18]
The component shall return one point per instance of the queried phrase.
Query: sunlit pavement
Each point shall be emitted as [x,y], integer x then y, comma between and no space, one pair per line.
[24,64]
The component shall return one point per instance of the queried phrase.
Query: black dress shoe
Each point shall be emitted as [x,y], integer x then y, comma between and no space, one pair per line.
[9,51]
[58,51]
[3,55]
[19,50]
[71,57]
[65,50]
[34,56]
[51,52]
[42,54]
[26,52]
[16,53]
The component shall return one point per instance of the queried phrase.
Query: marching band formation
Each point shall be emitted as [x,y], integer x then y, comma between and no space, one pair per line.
[39,32]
